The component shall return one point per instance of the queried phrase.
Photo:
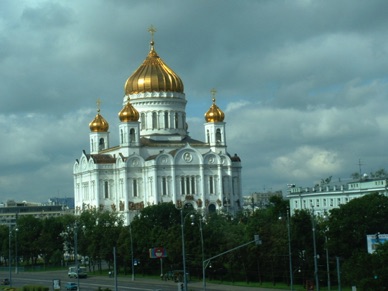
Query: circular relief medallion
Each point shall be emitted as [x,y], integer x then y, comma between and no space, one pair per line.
[164,160]
[187,157]
[211,160]
[135,162]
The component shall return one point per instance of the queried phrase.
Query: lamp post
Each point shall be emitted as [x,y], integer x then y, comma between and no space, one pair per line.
[75,231]
[132,262]
[183,252]
[16,250]
[202,248]
[327,263]
[315,252]
[289,250]
[10,255]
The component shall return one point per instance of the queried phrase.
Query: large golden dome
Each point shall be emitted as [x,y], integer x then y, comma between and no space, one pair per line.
[128,113]
[153,76]
[99,124]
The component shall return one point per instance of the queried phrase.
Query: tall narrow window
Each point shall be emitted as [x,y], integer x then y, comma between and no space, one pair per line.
[211,185]
[121,136]
[132,137]
[176,120]
[166,119]
[164,186]
[106,189]
[154,121]
[101,144]
[183,186]
[218,135]
[143,121]
[193,185]
[188,185]
[135,188]
[207,136]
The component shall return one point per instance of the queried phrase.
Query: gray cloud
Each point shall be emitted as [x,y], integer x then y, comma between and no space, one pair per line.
[303,83]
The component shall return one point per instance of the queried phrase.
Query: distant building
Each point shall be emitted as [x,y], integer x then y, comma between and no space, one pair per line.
[327,195]
[11,210]
[67,202]
[259,200]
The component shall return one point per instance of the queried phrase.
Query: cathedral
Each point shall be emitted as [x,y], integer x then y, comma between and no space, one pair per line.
[156,161]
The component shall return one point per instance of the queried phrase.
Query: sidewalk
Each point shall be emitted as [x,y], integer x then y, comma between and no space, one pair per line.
[198,285]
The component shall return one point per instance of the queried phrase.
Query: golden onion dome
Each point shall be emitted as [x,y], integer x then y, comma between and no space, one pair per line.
[153,76]
[128,113]
[214,114]
[99,124]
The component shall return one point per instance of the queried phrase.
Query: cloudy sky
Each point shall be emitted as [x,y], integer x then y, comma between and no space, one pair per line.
[303,83]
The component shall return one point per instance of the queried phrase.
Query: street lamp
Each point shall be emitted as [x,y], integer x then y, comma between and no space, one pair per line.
[202,248]
[133,266]
[75,231]
[289,250]
[315,252]
[16,250]
[183,251]
[10,255]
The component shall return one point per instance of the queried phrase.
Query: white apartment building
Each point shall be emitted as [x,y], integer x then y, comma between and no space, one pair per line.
[323,198]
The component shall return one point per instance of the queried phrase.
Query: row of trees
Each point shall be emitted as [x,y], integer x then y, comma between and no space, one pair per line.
[340,237]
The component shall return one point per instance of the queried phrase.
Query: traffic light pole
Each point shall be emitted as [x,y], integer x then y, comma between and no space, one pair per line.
[206,262]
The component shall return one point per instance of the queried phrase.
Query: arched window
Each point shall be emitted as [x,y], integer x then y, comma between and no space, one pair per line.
[132,136]
[207,136]
[101,144]
[218,136]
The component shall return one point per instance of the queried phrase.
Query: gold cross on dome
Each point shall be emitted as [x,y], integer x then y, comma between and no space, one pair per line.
[152,30]
[98,104]
[214,92]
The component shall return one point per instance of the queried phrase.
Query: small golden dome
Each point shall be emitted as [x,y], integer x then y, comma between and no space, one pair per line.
[128,113]
[99,124]
[214,114]
[153,76]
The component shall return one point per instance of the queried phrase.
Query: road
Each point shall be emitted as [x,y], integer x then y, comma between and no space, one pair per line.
[123,283]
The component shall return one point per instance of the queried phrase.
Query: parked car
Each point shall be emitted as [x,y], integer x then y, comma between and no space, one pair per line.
[5,281]
[71,286]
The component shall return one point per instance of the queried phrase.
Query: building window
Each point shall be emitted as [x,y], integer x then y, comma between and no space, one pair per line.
[331,202]
[142,120]
[211,185]
[188,186]
[166,119]
[339,201]
[164,186]
[132,136]
[135,188]
[101,144]
[317,203]
[324,202]
[106,189]
[154,121]
[176,120]
[183,186]
[218,136]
